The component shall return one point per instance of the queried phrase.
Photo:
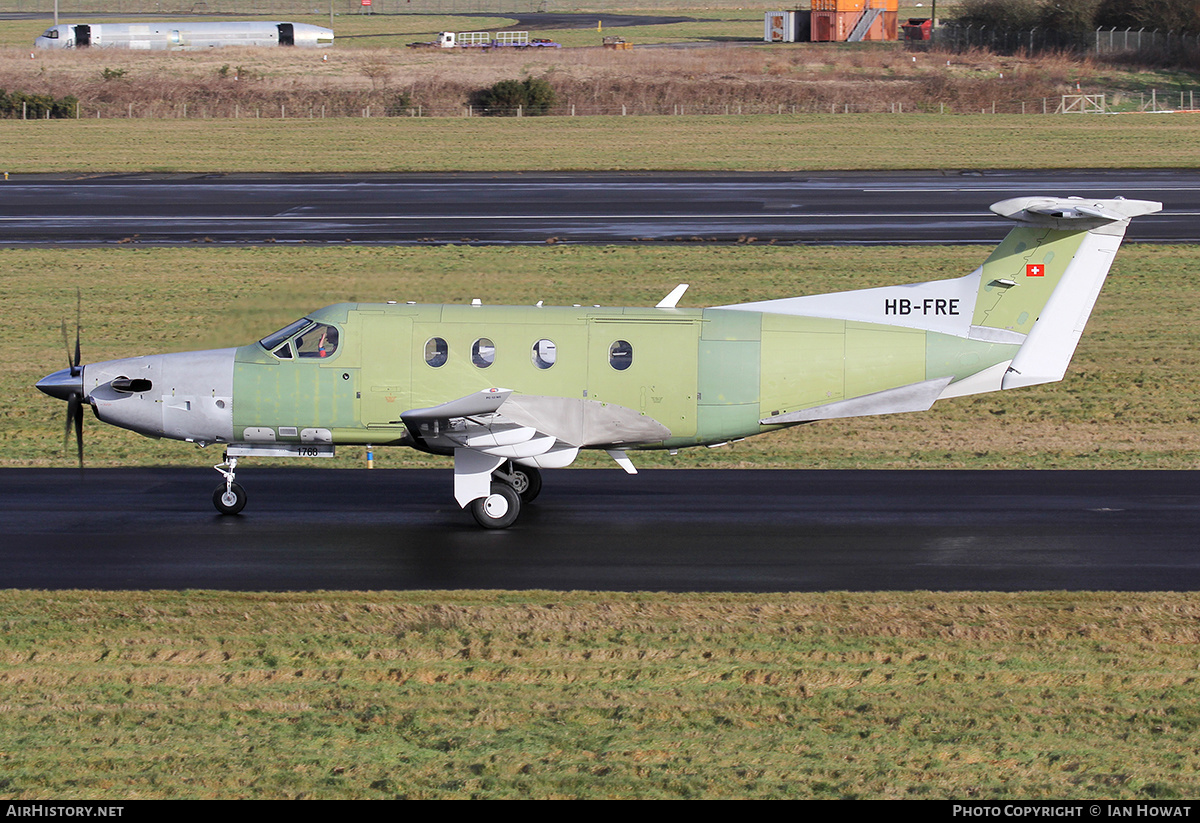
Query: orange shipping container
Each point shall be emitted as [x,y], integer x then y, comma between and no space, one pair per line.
[834,20]
[855,5]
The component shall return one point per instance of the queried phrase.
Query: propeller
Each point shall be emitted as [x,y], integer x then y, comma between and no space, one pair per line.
[72,390]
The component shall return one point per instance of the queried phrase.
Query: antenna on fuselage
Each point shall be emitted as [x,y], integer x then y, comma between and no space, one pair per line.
[671,299]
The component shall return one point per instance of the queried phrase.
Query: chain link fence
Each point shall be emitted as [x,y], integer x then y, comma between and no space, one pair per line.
[1153,45]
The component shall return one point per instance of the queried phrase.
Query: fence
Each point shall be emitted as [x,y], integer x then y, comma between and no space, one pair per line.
[1151,101]
[1170,45]
[959,38]
[1148,44]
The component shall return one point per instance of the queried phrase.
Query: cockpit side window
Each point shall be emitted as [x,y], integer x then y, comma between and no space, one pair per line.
[272,340]
[284,352]
[319,341]
[50,34]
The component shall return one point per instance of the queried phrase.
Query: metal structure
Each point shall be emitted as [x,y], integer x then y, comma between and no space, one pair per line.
[183,35]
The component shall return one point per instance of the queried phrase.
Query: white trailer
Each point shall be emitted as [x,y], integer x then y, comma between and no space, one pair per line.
[484,40]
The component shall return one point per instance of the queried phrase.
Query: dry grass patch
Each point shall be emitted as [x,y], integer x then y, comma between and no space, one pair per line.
[803,78]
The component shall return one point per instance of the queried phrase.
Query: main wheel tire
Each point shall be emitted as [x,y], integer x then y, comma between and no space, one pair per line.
[231,500]
[498,510]
[527,482]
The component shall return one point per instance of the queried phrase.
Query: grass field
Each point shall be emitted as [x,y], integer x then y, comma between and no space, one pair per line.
[590,695]
[768,143]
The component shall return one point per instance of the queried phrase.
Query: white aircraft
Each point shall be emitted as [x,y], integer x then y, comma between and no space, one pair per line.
[510,390]
[183,35]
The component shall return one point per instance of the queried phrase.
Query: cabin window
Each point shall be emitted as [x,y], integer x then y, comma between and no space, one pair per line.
[620,355]
[483,352]
[319,341]
[436,352]
[544,353]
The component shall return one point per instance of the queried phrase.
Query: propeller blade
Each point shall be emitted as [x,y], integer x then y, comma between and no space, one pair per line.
[74,415]
[72,402]
[79,431]
[66,341]
[78,329]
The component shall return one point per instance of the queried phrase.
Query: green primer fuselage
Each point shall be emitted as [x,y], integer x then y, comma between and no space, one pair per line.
[708,375]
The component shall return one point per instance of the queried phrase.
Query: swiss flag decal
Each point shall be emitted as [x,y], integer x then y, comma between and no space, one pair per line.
[1035,270]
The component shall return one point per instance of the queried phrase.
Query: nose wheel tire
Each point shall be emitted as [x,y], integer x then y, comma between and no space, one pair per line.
[498,510]
[231,500]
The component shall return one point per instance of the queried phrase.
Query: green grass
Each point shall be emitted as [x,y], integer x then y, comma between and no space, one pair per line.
[1129,400]
[587,695]
[713,143]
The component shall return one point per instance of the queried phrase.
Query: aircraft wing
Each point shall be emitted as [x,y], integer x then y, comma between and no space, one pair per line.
[484,429]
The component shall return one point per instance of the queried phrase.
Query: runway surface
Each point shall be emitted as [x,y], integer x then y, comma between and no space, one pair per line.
[536,207]
[694,530]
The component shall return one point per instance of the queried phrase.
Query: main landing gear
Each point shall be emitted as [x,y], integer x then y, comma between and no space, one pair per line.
[229,497]
[513,485]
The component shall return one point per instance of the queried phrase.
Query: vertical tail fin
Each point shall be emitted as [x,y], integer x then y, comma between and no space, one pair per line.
[1040,284]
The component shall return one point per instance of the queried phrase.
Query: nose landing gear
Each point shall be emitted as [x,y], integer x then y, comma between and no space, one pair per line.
[230,497]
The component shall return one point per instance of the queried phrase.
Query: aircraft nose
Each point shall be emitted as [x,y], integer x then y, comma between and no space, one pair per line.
[62,384]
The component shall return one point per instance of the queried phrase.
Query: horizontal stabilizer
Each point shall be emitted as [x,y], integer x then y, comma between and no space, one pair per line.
[1073,213]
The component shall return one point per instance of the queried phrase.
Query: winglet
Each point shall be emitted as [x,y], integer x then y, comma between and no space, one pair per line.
[671,299]
[1068,212]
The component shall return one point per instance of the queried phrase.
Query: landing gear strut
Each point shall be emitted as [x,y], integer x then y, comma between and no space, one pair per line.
[230,497]
[525,480]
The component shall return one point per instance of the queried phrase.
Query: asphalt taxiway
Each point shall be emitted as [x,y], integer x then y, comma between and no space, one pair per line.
[540,207]
[665,530]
